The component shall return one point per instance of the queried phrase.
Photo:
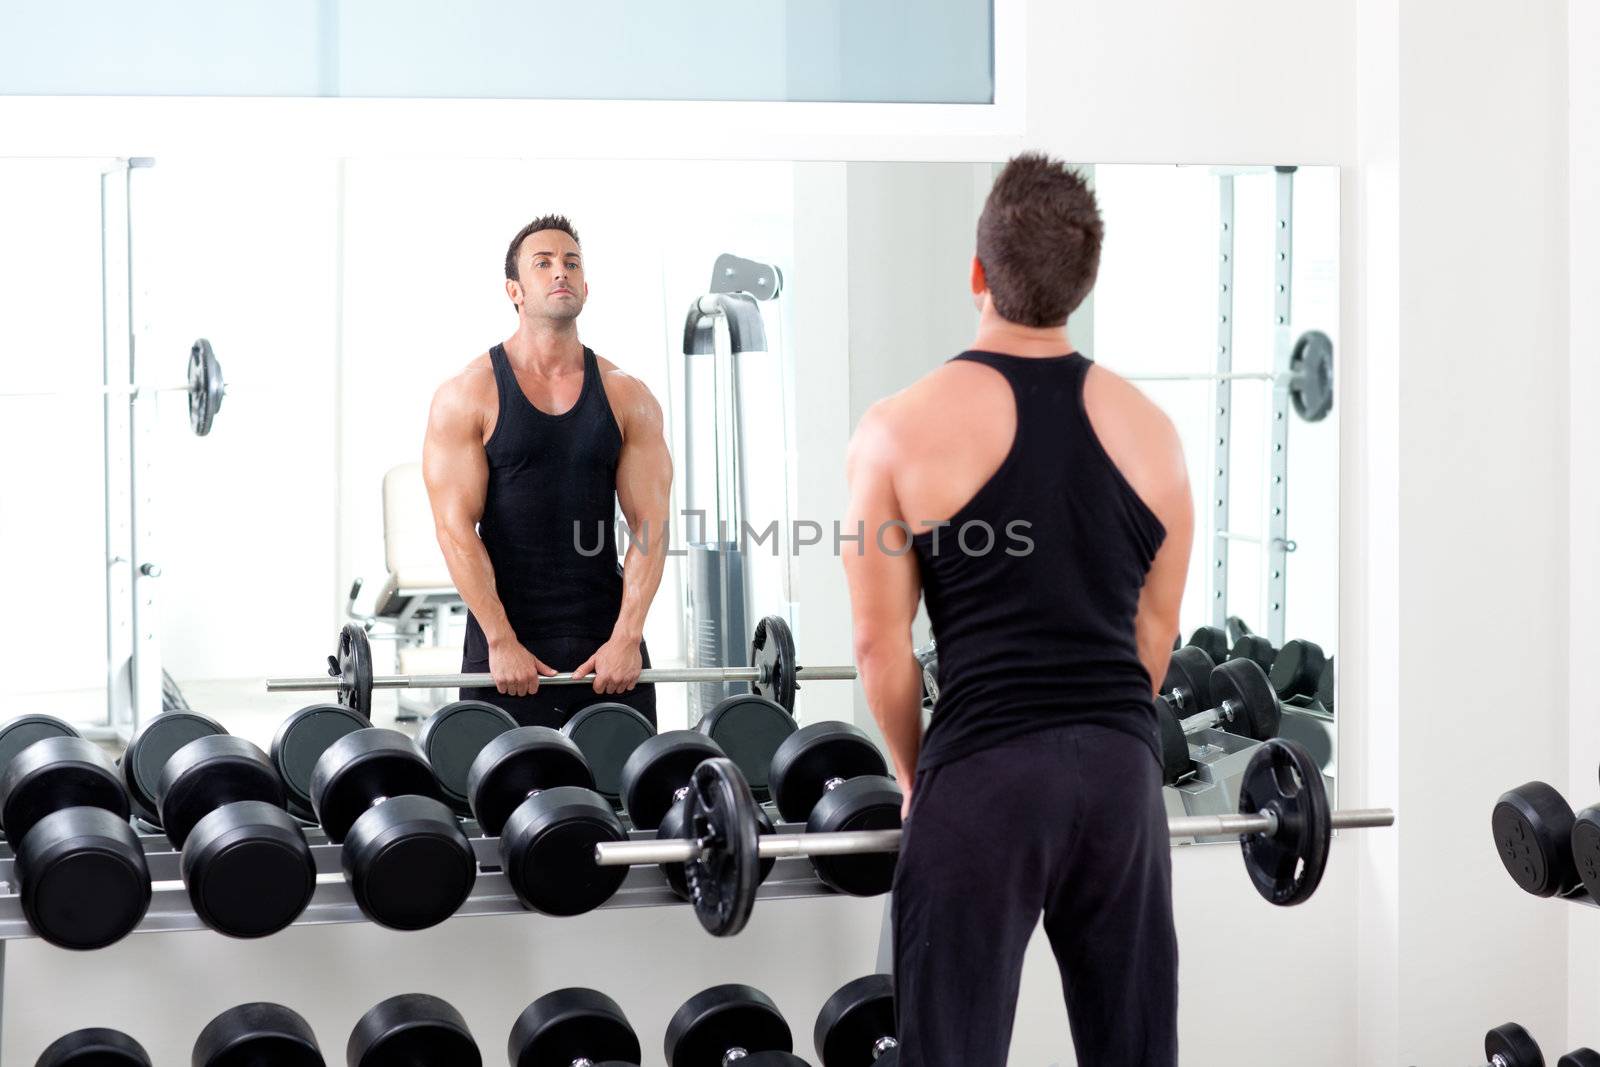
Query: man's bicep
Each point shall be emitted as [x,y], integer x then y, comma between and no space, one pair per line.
[882,573]
[455,467]
[644,468]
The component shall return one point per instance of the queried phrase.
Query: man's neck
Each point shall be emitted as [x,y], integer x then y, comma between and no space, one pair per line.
[997,334]
[545,348]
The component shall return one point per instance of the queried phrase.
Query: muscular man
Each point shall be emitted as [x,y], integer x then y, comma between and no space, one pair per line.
[1037,786]
[529,451]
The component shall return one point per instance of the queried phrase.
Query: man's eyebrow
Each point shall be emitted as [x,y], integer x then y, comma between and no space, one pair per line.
[570,255]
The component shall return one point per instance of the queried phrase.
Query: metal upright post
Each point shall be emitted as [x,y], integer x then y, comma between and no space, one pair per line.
[116,342]
[146,664]
[1278,544]
[1223,423]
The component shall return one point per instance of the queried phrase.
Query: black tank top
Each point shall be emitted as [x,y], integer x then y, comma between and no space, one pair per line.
[548,521]
[1037,631]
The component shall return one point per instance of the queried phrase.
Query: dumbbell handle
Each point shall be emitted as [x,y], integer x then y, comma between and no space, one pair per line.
[849,842]
[649,675]
[1227,711]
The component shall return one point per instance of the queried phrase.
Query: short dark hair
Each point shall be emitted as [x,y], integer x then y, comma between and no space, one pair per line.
[1039,240]
[543,222]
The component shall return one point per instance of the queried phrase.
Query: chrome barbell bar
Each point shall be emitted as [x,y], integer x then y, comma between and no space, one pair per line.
[650,676]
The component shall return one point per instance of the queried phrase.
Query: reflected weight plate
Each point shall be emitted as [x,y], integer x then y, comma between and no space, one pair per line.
[868,802]
[301,741]
[723,879]
[206,387]
[1532,826]
[1311,364]
[607,734]
[1283,779]
[453,737]
[772,653]
[749,729]
[352,665]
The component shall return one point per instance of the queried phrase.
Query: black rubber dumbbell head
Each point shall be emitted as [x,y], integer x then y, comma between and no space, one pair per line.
[246,863]
[1514,1046]
[301,741]
[256,1035]
[1175,761]
[749,729]
[1297,670]
[815,755]
[1255,648]
[412,1030]
[657,769]
[856,1027]
[673,827]
[452,738]
[532,788]
[716,1021]
[149,751]
[607,735]
[866,802]
[1189,675]
[94,1047]
[1580,1057]
[1326,684]
[1585,839]
[80,868]
[1256,709]
[24,730]
[570,1026]
[1532,826]
[408,862]
[1213,639]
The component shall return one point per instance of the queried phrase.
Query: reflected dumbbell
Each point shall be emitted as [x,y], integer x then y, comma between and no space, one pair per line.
[831,777]
[856,1027]
[1242,702]
[1509,1045]
[408,862]
[1546,849]
[1213,640]
[730,1024]
[94,1047]
[254,1035]
[412,1030]
[147,754]
[301,740]
[749,729]
[1300,669]
[573,1027]
[607,734]
[245,861]
[79,866]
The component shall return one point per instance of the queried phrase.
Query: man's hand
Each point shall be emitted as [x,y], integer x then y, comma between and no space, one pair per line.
[615,665]
[516,670]
[905,806]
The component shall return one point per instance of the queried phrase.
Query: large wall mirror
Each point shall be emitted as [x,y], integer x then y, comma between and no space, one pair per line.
[336,295]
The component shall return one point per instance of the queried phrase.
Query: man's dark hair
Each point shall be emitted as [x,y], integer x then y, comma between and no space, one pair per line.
[1039,240]
[543,222]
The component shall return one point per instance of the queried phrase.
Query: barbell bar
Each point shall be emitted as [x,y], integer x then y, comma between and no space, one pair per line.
[1309,376]
[203,383]
[648,676]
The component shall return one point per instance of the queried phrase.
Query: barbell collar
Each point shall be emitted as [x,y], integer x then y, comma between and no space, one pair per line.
[648,676]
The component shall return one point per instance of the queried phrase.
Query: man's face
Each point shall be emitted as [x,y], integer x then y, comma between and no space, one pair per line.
[550,283]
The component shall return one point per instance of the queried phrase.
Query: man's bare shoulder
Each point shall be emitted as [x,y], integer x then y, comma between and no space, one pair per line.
[466,397]
[931,406]
[1136,433]
[629,396]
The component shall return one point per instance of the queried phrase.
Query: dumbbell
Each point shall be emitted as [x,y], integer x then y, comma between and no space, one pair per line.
[573,1027]
[1509,1045]
[1187,685]
[1547,850]
[749,729]
[1244,704]
[831,776]
[148,752]
[1246,644]
[1297,670]
[257,1035]
[412,1030]
[1580,1057]
[1213,640]
[856,1027]
[80,870]
[300,742]
[729,1024]
[95,1047]
[607,734]
[408,862]
[245,862]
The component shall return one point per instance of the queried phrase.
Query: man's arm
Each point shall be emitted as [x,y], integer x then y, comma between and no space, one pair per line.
[456,471]
[884,587]
[1166,493]
[644,485]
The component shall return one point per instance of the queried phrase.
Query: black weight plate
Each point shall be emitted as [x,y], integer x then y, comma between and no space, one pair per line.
[452,738]
[1213,639]
[772,653]
[868,802]
[1532,826]
[1175,761]
[547,851]
[209,772]
[408,863]
[1311,363]
[1580,1057]
[411,1030]
[95,1047]
[672,827]
[54,774]
[362,767]
[206,387]
[569,1025]
[83,877]
[352,665]
[24,730]
[514,764]
[251,1035]
[248,869]
[1586,848]
[1325,685]
[1514,1045]
[717,1020]
[1283,778]
[1257,711]
[814,755]
[723,879]
[149,751]
[1297,670]
[301,741]
[607,734]
[749,729]
[854,1020]
[1189,669]
[658,769]
[1254,647]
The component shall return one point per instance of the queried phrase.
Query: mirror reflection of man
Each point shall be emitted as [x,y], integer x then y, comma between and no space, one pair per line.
[529,450]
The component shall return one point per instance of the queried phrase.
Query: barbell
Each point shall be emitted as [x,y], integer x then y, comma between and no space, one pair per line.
[204,385]
[772,673]
[1284,823]
[1309,376]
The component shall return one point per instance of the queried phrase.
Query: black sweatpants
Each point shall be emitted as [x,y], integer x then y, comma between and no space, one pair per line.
[553,705]
[1068,824]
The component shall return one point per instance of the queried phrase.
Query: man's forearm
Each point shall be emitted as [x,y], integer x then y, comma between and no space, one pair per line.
[470,568]
[893,683]
[642,568]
